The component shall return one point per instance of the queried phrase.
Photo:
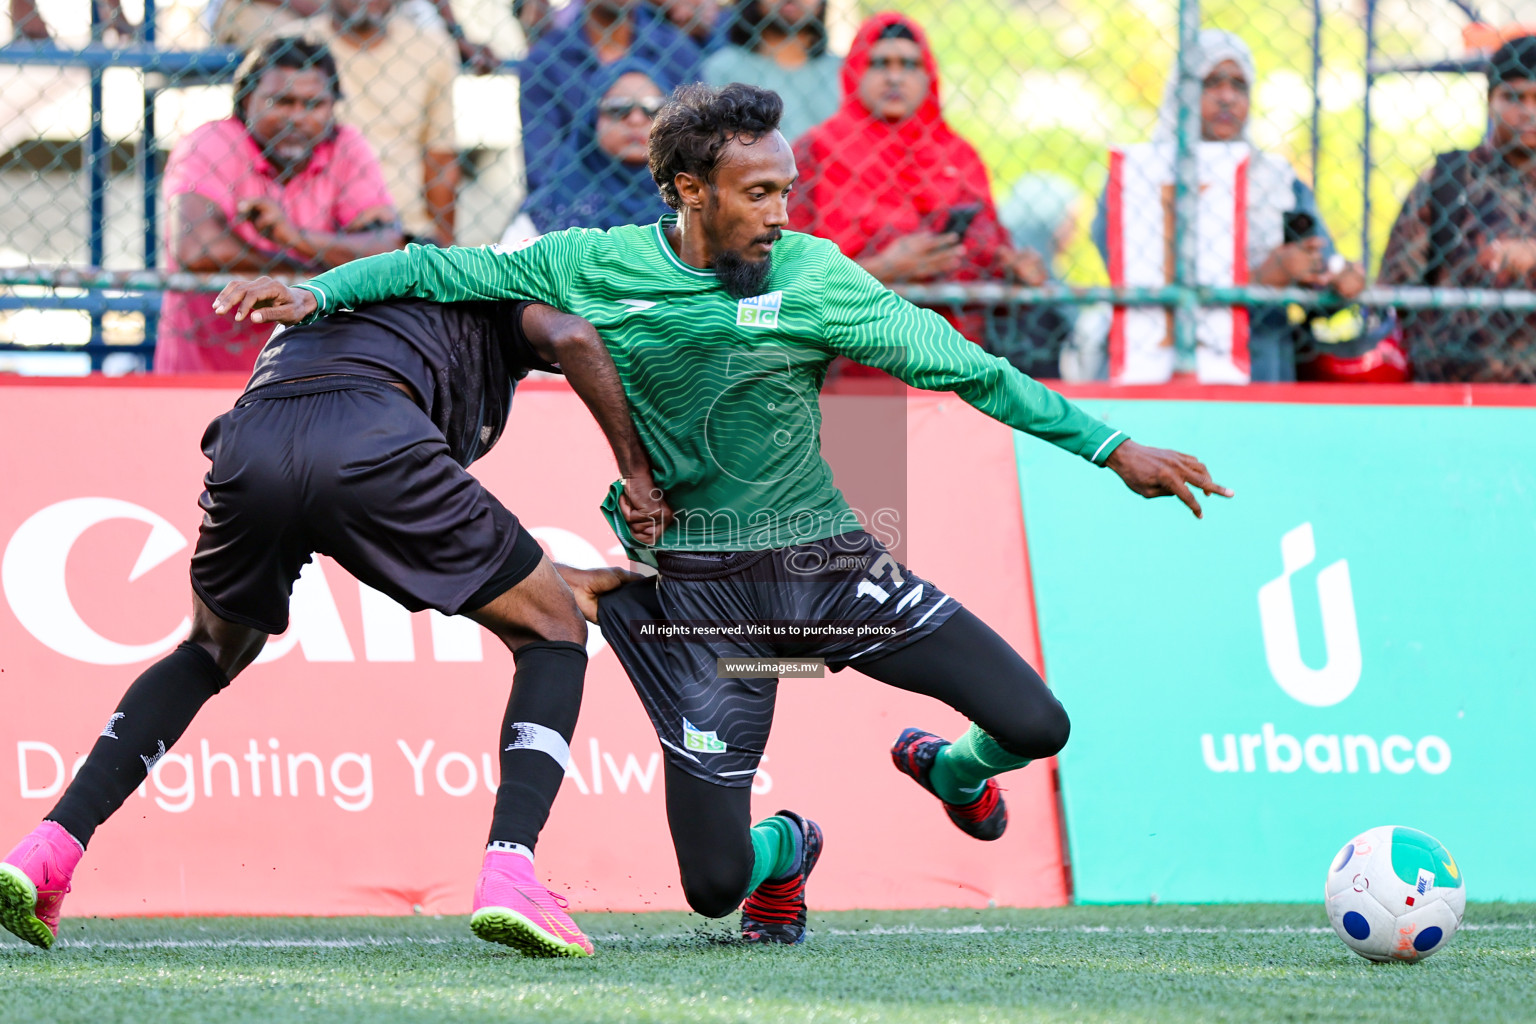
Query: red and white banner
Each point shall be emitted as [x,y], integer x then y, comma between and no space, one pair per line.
[352,769]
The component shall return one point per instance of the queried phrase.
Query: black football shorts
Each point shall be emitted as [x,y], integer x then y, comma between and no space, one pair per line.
[357,472]
[847,596]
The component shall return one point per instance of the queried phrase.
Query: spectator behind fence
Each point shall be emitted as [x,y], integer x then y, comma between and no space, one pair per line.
[276,187]
[561,78]
[782,45]
[1133,231]
[1470,222]
[893,185]
[699,20]
[397,78]
[239,22]
[27,22]
[611,184]
[1041,216]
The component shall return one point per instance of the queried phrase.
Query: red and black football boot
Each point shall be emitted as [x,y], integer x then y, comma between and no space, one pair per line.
[986,817]
[775,912]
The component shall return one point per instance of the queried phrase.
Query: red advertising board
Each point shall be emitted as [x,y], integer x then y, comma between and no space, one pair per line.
[351,770]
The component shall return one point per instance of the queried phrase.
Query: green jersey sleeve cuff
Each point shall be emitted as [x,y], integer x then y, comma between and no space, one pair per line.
[1104,441]
[320,301]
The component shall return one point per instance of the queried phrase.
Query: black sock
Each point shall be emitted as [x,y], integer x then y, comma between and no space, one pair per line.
[535,738]
[151,717]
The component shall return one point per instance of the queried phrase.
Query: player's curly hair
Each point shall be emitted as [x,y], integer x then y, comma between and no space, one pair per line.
[698,122]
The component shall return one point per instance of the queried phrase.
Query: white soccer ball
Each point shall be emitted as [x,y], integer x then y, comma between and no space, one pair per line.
[1395,893]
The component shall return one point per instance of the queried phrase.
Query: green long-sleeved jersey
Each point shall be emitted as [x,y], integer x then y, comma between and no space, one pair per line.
[724,391]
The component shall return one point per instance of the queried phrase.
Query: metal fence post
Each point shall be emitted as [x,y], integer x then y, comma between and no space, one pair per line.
[1365,139]
[1186,177]
[149,175]
[97,163]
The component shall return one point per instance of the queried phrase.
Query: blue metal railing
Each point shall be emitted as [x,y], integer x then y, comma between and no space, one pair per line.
[163,69]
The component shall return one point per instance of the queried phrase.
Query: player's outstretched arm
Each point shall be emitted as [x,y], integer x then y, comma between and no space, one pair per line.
[1157,472]
[870,324]
[574,345]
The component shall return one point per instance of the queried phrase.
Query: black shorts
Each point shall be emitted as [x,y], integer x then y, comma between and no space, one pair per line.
[848,593]
[357,472]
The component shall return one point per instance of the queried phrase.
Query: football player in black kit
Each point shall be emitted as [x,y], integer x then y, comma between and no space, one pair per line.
[351,440]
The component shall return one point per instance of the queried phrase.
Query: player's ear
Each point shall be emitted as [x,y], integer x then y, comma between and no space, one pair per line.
[690,190]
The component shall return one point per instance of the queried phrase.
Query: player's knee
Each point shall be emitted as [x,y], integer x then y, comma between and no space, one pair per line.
[232,646]
[715,894]
[1034,732]
[1053,729]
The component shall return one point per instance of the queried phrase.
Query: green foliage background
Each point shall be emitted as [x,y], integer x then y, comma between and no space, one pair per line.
[1127,51]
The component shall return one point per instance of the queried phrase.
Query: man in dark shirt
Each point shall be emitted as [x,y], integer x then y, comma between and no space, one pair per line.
[1470,222]
[352,440]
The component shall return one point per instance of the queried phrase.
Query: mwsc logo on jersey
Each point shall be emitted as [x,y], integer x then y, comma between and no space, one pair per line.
[760,310]
[1322,687]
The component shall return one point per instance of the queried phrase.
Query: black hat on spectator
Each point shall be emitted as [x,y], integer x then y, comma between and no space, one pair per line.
[1515,59]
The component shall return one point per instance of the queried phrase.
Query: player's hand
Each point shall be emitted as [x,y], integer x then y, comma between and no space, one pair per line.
[645,509]
[587,584]
[1157,472]
[265,301]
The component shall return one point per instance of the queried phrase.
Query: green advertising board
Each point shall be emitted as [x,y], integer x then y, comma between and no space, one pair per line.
[1349,642]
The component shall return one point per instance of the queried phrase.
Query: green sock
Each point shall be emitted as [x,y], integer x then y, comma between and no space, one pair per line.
[775,849]
[963,768]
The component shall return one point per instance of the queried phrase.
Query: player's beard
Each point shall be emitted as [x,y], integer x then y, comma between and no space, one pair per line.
[741,277]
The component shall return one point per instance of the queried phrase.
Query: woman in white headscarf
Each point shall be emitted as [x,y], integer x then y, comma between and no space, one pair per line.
[1275,197]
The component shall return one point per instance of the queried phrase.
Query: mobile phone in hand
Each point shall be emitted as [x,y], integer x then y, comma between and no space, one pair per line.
[958,221]
[1298,225]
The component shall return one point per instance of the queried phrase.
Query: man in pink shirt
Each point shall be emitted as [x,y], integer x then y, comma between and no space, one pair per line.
[279,187]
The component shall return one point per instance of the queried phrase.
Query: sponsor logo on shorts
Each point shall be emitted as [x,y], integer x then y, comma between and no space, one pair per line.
[705,742]
[759,310]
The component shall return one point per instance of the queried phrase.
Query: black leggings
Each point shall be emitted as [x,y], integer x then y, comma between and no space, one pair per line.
[962,663]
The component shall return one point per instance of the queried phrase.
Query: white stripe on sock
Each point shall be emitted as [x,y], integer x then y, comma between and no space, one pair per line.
[532,736]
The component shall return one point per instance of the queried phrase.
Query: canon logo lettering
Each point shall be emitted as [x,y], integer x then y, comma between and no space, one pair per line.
[32,577]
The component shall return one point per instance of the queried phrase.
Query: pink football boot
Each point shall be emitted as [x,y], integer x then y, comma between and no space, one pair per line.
[33,881]
[512,908]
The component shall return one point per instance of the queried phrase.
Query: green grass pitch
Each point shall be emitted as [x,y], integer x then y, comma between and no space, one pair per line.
[1082,964]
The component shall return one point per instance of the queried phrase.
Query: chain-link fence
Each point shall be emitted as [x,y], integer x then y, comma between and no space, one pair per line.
[1235,190]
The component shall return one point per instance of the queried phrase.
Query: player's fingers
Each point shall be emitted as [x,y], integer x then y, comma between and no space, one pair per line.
[644,525]
[247,303]
[644,531]
[1201,478]
[280,313]
[260,292]
[1187,498]
[228,297]
[609,577]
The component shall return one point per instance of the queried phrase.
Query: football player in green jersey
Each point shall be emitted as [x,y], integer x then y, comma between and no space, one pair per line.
[722,324]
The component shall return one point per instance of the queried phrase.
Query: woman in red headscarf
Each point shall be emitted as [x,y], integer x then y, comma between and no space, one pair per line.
[893,185]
